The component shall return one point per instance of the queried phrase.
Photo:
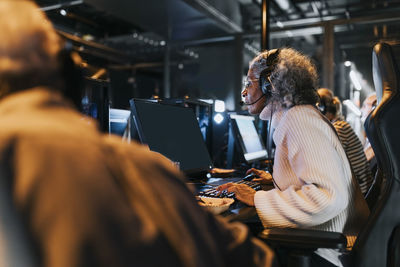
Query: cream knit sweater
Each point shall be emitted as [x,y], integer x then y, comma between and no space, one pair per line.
[314,185]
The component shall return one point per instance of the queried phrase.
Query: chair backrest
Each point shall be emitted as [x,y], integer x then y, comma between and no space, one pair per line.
[378,243]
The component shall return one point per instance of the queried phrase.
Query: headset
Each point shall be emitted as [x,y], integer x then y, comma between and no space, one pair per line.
[322,104]
[264,80]
[327,104]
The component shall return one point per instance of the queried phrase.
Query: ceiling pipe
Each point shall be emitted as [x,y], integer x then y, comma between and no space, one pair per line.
[93,48]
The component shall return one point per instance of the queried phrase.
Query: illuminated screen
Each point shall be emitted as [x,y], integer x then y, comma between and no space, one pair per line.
[172,131]
[118,121]
[250,141]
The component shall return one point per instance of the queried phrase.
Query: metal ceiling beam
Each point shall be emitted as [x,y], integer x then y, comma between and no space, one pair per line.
[336,20]
[222,21]
[296,8]
[91,44]
[278,9]
[276,34]
[225,38]
[62,5]
[284,33]
[93,48]
[367,44]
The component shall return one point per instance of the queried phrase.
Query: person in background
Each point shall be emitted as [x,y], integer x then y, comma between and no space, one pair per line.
[330,106]
[88,199]
[314,187]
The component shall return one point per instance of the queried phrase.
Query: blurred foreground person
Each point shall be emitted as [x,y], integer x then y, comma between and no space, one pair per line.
[314,187]
[330,106]
[88,199]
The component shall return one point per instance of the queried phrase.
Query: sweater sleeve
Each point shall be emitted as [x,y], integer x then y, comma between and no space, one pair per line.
[309,156]
[345,132]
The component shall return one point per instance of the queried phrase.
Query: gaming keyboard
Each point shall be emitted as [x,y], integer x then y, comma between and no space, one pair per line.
[213,192]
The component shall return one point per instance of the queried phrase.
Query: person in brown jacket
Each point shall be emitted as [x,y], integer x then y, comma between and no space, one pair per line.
[87,199]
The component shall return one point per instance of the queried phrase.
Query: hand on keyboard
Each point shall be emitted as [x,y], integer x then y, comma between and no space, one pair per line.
[221,191]
[260,176]
[243,192]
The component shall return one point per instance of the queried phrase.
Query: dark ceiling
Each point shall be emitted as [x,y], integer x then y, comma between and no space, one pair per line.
[138,32]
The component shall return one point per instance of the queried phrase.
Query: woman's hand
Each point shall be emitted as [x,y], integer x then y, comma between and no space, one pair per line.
[264,177]
[242,192]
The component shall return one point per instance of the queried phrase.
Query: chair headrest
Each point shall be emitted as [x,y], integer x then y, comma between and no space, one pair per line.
[382,125]
[385,71]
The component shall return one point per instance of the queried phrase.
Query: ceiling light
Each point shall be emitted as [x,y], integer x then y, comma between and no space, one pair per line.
[88,37]
[219,106]
[63,12]
[218,118]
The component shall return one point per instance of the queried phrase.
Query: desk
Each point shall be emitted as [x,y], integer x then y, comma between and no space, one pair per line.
[238,211]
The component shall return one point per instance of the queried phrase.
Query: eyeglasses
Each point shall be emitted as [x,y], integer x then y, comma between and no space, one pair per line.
[248,82]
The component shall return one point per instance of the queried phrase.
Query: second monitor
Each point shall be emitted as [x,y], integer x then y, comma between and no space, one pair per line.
[244,137]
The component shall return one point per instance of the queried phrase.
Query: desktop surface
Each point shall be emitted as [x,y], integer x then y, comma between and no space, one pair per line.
[238,211]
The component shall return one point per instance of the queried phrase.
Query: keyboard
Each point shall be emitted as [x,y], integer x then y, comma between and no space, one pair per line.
[212,192]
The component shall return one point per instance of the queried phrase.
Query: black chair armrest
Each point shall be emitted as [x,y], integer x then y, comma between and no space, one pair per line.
[304,239]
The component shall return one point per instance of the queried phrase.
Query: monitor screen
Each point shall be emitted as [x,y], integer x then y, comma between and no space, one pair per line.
[248,138]
[119,121]
[172,131]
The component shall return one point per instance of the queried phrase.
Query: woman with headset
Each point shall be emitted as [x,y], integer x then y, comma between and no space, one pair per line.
[330,106]
[314,187]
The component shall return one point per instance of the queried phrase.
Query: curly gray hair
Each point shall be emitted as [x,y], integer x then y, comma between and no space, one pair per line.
[294,78]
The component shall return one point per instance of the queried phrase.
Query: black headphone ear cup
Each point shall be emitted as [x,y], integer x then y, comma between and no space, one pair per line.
[265,84]
[270,63]
[322,105]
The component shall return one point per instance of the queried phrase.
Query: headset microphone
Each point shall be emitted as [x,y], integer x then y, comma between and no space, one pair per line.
[242,103]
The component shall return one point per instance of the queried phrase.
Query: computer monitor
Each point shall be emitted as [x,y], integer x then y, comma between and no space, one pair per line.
[203,111]
[172,131]
[119,122]
[246,135]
